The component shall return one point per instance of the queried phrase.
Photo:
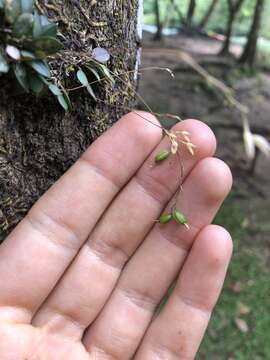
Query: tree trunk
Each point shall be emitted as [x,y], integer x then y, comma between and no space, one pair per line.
[38,141]
[158,34]
[250,50]
[190,13]
[226,45]
[169,13]
[208,14]
[179,13]
[234,7]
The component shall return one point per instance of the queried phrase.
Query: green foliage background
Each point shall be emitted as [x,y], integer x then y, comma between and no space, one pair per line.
[219,17]
[248,280]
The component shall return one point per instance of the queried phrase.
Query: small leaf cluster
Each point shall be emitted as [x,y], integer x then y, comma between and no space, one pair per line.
[26,40]
[94,69]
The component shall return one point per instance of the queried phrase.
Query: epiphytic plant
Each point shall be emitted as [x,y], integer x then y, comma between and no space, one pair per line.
[28,40]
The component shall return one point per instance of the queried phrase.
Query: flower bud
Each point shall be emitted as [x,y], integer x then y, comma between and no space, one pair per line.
[162,155]
[165,218]
[179,217]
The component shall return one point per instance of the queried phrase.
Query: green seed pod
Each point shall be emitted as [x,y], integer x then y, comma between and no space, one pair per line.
[162,155]
[165,218]
[179,217]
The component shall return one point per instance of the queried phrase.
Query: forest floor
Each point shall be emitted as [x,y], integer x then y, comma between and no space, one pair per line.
[241,322]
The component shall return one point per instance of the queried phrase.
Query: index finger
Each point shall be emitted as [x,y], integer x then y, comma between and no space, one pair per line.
[39,250]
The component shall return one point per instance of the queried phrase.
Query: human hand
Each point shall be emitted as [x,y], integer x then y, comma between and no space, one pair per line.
[82,274]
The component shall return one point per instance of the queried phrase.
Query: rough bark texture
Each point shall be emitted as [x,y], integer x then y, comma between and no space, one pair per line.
[38,141]
[249,53]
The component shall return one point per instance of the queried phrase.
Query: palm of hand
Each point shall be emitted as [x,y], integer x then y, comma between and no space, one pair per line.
[26,342]
[86,269]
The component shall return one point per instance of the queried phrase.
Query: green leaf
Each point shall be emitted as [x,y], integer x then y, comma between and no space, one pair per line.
[23,25]
[49,30]
[84,81]
[62,101]
[4,67]
[41,67]
[65,94]
[37,28]
[12,10]
[82,78]
[47,44]
[36,84]
[27,6]
[45,81]
[21,76]
[27,55]
[61,96]
[55,90]
[39,54]
[96,74]
[44,20]
[91,92]
[42,27]
[106,72]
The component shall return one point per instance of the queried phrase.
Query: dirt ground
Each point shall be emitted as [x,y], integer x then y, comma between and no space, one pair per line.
[189,97]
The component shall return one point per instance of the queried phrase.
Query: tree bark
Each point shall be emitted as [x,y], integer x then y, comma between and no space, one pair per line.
[38,141]
[158,34]
[208,14]
[234,7]
[249,54]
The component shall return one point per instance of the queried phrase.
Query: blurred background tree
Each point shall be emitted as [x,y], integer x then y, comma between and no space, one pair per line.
[229,40]
[233,7]
[158,34]
[249,53]
[190,13]
[227,17]
[208,14]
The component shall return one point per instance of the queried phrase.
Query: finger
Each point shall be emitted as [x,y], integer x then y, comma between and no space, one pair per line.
[44,243]
[156,264]
[177,332]
[86,286]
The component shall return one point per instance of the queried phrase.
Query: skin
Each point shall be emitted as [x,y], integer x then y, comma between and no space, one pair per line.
[83,273]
